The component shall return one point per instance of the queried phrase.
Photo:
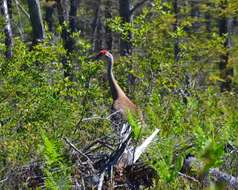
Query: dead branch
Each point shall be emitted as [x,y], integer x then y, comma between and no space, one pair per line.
[142,148]
[215,173]
[116,155]
[3,180]
[22,8]
[81,153]
[189,177]
[224,177]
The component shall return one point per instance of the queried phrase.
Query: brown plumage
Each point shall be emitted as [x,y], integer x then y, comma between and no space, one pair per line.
[121,102]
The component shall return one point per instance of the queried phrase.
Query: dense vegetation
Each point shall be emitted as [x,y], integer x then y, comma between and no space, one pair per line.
[181,70]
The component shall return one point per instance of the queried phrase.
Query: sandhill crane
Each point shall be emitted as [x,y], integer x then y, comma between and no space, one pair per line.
[121,103]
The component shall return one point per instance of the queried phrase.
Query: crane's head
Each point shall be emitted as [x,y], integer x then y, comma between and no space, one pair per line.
[106,54]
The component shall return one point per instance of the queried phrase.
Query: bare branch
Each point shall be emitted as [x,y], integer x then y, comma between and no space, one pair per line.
[20,28]
[188,177]
[224,177]
[22,8]
[101,118]
[38,33]
[80,152]
[2,181]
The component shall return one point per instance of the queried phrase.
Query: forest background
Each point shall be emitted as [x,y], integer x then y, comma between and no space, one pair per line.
[176,59]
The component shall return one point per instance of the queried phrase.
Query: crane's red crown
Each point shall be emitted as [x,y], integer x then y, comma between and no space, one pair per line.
[103,52]
[106,53]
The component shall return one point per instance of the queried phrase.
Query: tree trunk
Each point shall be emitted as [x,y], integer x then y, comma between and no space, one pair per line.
[49,10]
[97,27]
[195,13]
[208,19]
[36,21]
[125,41]
[225,70]
[108,15]
[125,14]
[68,41]
[62,16]
[74,4]
[7,30]
[9,5]
[62,11]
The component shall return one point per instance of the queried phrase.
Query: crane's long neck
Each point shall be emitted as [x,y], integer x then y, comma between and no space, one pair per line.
[115,88]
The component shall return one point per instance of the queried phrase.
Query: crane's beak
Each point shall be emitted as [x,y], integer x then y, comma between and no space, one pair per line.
[92,58]
[95,57]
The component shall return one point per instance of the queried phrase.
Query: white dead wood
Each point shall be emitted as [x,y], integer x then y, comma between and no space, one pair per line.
[100,185]
[142,148]
[132,154]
